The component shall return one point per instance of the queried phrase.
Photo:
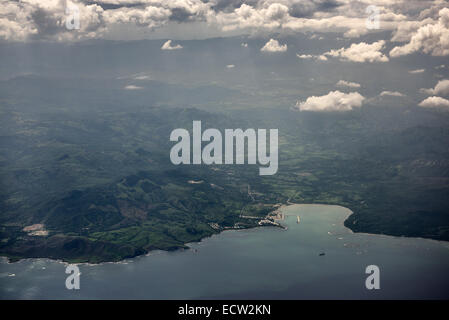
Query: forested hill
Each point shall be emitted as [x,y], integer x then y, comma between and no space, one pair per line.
[91,165]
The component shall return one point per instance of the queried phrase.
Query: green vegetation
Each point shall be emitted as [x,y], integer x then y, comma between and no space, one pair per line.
[96,172]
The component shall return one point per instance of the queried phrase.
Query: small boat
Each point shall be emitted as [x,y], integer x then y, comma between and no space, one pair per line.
[321,254]
[297,219]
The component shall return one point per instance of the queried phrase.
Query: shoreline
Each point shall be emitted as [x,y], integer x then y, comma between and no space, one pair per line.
[271,215]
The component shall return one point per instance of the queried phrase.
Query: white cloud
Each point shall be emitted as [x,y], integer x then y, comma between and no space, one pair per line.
[442,88]
[422,23]
[46,19]
[406,29]
[310,56]
[431,38]
[333,101]
[361,52]
[149,16]
[391,93]
[261,16]
[417,71]
[305,56]
[132,87]
[273,46]
[349,18]
[434,102]
[343,83]
[167,46]
[35,19]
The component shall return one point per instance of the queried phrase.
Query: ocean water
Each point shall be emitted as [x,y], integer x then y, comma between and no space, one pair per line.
[260,263]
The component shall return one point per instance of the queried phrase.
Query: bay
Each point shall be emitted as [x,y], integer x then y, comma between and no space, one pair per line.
[315,258]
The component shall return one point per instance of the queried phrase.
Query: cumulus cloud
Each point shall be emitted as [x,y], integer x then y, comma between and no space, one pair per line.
[361,52]
[156,13]
[319,57]
[333,101]
[305,56]
[348,18]
[149,16]
[342,16]
[416,22]
[431,38]
[263,17]
[167,46]
[434,102]
[307,8]
[391,93]
[442,88]
[273,46]
[406,29]
[48,19]
[343,83]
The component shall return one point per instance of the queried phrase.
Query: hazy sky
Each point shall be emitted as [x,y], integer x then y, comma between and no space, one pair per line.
[353,32]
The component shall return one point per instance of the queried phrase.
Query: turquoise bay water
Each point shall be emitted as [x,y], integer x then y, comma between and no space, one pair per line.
[264,263]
